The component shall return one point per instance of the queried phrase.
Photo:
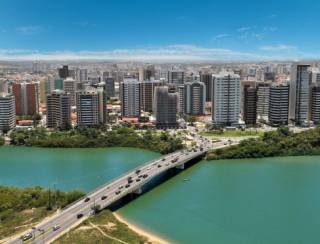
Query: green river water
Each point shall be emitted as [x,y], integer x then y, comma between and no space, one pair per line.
[232,201]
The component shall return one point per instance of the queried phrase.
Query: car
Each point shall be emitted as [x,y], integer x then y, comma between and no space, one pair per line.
[27,236]
[118,192]
[130,181]
[79,216]
[159,165]
[87,199]
[164,159]
[127,185]
[103,197]
[137,180]
[138,171]
[145,176]
[40,230]
[167,164]
[140,176]
[120,187]
[56,227]
[149,168]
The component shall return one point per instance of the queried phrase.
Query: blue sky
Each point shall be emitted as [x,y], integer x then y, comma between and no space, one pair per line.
[164,30]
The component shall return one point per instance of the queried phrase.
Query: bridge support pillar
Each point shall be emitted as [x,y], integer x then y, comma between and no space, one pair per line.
[181,166]
[138,191]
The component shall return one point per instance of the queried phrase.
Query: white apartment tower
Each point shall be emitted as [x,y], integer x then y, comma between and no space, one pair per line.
[226,102]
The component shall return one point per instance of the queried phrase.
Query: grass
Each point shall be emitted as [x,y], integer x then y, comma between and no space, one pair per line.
[232,133]
[21,221]
[106,222]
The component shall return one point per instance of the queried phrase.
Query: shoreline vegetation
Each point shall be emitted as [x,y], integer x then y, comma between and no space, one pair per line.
[84,137]
[279,143]
[22,208]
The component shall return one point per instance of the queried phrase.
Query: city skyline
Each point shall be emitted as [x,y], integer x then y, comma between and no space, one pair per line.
[144,31]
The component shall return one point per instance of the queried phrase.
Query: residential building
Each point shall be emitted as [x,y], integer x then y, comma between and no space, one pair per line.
[130,98]
[64,72]
[207,80]
[165,108]
[263,94]
[250,105]
[58,110]
[175,77]
[181,99]
[147,94]
[226,99]
[110,87]
[7,112]
[91,107]
[315,104]
[195,98]
[300,85]
[26,98]
[70,87]
[279,104]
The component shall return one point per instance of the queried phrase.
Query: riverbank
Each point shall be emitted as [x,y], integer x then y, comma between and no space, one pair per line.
[151,237]
[84,137]
[103,227]
[278,143]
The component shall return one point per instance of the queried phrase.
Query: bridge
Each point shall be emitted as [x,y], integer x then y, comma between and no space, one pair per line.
[131,182]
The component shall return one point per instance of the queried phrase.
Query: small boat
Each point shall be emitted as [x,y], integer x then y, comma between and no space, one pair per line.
[185,179]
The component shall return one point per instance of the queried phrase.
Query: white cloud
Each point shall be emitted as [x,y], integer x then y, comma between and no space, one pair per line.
[220,36]
[179,52]
[280,47]
[245,28]
[28,30]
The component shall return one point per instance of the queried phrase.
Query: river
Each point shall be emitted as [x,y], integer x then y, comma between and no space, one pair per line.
[231,201]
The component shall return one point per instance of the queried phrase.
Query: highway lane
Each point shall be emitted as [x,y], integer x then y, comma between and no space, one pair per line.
[68,217]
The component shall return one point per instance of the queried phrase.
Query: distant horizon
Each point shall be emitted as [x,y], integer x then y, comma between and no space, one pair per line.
[203,30]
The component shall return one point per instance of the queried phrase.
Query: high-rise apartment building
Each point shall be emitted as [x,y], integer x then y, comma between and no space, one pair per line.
[3,86]
[181,99]
[130,98]
[63,72]
[7,112]
[299,108]
[175,77]
[26,98]
[226,99]
[165,107]
[250,105]
[83,75]
[58,110]
[195,98]
[147,73]
[315,104]
[110,87]
[279,104]
[70,87]
[207,80]
[147,94]
[91,107]
[263,94]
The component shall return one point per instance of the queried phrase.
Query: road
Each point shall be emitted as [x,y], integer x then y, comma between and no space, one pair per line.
[111,192]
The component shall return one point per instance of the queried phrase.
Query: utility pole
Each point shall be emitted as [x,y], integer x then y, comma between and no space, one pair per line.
[49,206]
[55,194]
